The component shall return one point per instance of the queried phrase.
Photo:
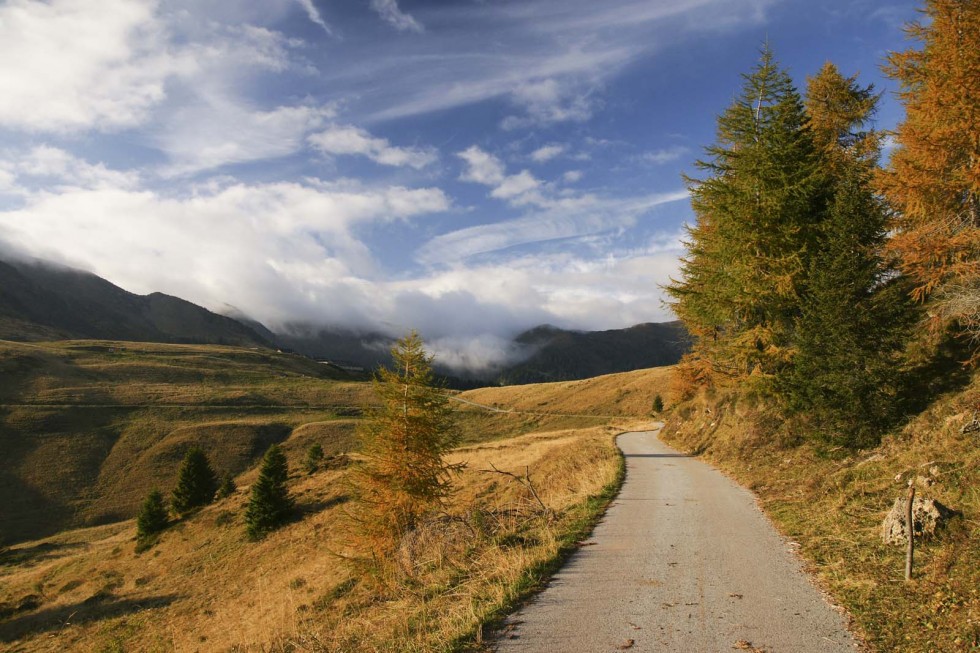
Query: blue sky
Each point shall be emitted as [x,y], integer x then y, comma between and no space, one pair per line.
[470,168]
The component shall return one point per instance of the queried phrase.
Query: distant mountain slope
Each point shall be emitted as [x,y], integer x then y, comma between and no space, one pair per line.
[561,355]
[45,302]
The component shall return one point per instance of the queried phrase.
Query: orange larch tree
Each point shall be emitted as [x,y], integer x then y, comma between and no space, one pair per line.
[933,179]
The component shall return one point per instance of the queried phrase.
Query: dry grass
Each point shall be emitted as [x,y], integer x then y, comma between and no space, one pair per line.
[90,427]
[205,587]
[833,502]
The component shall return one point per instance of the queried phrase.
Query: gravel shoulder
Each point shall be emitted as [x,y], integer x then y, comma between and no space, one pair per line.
[683,561]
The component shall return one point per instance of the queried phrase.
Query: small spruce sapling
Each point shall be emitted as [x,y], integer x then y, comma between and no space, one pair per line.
[314,457]
[658,404]
[151,520]
[227,487]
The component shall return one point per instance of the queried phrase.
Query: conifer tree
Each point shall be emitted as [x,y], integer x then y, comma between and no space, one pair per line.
[227,487]
[197,482]
[314,456]
[151,519]
[270,505]
[852,313]
[933,178]
[758,211]
[851,326]
[404,475]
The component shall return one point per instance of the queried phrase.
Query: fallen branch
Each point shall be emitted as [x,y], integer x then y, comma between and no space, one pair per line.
[525,481]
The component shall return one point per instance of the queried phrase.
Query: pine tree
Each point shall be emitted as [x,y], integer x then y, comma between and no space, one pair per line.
[404,475]
[757,212]
[270,505]
[151,519]
[314,456]
[196,482]
[933,178]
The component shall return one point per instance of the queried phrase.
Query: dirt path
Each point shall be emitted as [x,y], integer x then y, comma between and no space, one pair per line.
[683,561]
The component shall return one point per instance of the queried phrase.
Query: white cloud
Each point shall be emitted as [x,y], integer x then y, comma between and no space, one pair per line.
[59,170]
[314,15]
[218,131]
[484,168]
[279,252]
[548,101]
[394,16]
[572,176]
[665,155]
[346,139]
[481,166]
[82,65]
[515,186]
[548,152]
[564,218]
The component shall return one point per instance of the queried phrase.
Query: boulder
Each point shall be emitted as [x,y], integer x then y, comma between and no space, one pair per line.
[928,515]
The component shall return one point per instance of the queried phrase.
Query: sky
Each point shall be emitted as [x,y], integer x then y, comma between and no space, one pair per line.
[468,168]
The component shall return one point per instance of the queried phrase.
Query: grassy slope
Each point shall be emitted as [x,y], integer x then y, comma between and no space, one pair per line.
[833,504]
[88,427]
[205,587]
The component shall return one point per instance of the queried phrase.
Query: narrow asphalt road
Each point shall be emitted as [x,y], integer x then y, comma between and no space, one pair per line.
[683,561]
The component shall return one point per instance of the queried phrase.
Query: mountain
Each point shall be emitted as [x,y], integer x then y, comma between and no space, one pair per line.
[560,355]
[47,302]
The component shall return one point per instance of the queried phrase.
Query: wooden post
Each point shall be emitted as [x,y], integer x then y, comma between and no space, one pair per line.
[910,526]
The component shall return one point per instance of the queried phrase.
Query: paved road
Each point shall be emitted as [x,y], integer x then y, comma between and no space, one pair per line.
[683,561]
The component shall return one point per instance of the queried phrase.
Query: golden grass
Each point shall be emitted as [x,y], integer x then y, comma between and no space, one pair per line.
[833,503]
[205,587]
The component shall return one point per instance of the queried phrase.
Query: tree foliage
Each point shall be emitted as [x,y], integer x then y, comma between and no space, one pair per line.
[227,487]
[933,178]
[151,519]
[197,482]
[270,505]
[757,209]
[403,475]
[853,314]
[314,457]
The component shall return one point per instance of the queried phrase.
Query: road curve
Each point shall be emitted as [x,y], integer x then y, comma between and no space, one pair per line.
[683,561]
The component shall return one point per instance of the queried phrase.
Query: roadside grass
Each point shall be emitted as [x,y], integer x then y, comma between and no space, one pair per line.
[832,502]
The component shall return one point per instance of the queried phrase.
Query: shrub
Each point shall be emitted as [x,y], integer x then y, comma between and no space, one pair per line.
[314,456]
[152,519]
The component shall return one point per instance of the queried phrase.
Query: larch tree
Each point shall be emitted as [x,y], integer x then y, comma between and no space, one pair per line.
[933,178]
[404,475]
[757,210]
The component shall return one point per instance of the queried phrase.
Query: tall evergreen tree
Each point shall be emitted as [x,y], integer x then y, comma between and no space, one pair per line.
[197,482]
[404,475]
[757,213]
[151,519]
[270,505]
[852,313]
[933,178]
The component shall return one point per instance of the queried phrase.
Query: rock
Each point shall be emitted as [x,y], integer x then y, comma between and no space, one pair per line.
[928,515]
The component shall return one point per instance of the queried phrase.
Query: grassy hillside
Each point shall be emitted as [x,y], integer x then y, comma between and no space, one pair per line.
[832,503]
[205,587]
[616,399]
[89,427]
